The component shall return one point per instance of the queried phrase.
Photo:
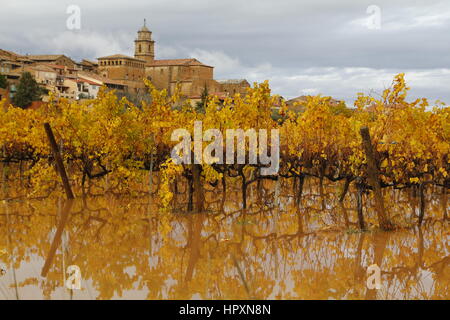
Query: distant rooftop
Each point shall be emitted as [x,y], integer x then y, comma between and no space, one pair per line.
[45,56]
[231,81]
[88,62]
[120,56]
[12,56]
[40,67]
[177,62]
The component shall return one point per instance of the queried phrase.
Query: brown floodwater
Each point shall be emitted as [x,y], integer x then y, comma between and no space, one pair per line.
[126,249]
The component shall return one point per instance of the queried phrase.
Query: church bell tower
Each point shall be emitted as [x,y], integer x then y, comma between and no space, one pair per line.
[144,46]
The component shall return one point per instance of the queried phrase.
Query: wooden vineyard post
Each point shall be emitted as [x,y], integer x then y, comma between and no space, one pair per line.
[59,161]
[198,188]
[373,179]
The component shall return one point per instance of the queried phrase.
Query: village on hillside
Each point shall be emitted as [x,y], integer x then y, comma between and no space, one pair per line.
[66,78]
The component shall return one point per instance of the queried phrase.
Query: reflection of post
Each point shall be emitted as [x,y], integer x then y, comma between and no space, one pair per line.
[224,193]
[150,192]
[9,242]
[57,238]
[194,243]
[380,240]
[359,204]
[359,270]
[59,161]
[242,276]
[299,222]
[444,201]
[420,250]
[373,178]
[301,183]
[421,203]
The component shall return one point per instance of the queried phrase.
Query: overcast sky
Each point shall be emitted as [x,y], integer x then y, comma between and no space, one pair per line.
[301,47]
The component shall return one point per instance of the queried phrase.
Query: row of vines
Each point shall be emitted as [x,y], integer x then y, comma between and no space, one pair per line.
[113,141]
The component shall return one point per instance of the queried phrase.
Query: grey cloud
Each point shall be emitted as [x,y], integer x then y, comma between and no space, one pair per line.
[292,43]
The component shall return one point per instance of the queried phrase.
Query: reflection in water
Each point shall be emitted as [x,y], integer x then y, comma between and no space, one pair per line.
[274,250]
[57,238]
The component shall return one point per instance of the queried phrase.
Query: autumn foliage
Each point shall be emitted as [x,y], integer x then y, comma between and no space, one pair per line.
[115,142]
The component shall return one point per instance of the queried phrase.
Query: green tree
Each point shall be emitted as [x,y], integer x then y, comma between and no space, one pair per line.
[201,105]
[137,98]
[28,91]
[3,82]
[341,108]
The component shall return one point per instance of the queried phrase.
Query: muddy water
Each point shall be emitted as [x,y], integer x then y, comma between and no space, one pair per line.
[274,250]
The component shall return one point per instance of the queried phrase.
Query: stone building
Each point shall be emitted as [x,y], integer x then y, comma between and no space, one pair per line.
[87,89]
[11,66]
[58,59]
[88,65]
[233,86]
[191,75]
[68,79]
[45,76]
[128,70]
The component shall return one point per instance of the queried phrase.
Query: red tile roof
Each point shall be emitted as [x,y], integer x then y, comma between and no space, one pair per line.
[81,80]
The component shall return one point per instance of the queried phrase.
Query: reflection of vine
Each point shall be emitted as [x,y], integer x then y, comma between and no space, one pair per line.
[108,235]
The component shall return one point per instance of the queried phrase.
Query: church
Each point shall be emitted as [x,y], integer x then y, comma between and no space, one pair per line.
[190,74]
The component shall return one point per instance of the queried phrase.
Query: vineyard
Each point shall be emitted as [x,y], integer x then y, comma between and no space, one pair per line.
[110,146]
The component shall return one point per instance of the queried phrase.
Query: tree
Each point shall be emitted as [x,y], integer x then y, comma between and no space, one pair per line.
[28,91]
[141,95]
[201,105]
[3,82]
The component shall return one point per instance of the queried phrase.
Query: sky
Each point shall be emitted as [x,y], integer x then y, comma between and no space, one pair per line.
[329,47]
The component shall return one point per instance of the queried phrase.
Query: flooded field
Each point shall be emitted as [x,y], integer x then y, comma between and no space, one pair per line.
[275,249]
[323,202]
